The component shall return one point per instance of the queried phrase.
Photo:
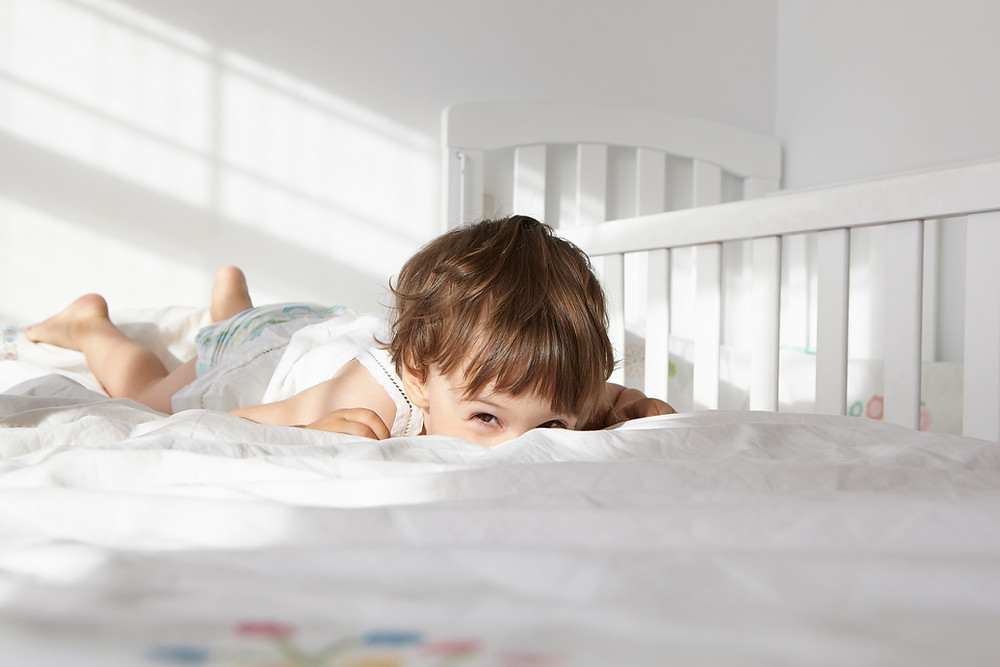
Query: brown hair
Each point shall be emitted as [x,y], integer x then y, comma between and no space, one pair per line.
[517,305]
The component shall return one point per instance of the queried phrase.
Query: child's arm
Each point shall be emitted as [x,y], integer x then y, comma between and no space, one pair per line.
[626,404]
[301,409]
[352,421]
[317,408]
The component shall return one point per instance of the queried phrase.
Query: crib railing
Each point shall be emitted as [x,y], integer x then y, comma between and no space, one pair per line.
[903,204]
[507,157]
[576,165]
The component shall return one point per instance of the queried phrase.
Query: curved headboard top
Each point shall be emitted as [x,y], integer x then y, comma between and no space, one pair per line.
[494,125]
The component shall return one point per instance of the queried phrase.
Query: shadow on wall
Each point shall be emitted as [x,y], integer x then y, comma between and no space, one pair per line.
[136,158]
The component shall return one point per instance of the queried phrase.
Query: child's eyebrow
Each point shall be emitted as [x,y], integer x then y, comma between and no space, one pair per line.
[484,400]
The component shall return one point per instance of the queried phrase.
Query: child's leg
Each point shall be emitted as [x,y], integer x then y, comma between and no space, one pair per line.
[125,368]
[230,294]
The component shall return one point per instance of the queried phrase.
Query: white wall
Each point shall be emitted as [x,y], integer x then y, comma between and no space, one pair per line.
[145,142]
[867,87]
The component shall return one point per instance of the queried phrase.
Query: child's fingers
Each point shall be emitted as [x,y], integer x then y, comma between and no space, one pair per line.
[659,407]
[348,427]
[353,421]
[370,420]
[647,407]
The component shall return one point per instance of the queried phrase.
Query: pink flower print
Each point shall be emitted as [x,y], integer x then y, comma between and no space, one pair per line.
[876,407]
[268,629]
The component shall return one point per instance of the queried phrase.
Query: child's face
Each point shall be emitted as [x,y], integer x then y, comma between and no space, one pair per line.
[488,418]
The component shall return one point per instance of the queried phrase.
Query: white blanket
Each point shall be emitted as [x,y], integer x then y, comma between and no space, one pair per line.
[132,538]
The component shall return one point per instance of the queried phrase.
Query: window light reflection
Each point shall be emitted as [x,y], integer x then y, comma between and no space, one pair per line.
[96,84]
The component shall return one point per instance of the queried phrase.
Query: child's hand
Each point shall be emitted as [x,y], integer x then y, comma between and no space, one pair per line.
[629,404]
[352,421]
[643,407]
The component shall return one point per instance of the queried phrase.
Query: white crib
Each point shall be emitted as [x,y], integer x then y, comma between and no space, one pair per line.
[623,184]
[130,537]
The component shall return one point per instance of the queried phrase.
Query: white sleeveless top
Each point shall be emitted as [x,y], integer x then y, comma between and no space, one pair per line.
[274,367]
[315,352]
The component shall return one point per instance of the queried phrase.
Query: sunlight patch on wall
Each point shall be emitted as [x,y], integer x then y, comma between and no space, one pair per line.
[257,160]
[104,144]
[126,97]
[144,74]
[84,260]
[319,169]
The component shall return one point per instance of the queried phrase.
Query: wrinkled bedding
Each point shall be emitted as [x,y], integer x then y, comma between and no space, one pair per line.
[128,537]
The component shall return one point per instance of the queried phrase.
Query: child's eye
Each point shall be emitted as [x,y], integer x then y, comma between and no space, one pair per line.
[555,423]
[486,418]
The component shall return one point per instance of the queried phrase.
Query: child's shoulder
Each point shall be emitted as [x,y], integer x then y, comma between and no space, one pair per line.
[317,351]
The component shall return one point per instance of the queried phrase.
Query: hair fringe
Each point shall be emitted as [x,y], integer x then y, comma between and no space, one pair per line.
[510,306]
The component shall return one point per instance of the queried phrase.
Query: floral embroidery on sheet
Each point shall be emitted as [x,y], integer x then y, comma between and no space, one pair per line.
[261,643]
[9,348]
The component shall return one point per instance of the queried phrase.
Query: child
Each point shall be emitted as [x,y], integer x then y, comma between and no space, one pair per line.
[497,328]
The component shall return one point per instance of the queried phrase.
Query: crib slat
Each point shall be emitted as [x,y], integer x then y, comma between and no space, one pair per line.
[650,181]
[612,272]
[651,197]
[707,184]
[463,171]
[931,279]
[658,324]
[766,307]
[904,283]
[529,181]
[591,184]
[981,403]
[708,325]
[707,190]
[831,333]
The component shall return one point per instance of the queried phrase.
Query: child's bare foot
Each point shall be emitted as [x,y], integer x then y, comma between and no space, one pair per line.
[64,328]
[230,294]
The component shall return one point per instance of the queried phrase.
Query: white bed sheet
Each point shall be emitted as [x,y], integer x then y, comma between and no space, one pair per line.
[132,538]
